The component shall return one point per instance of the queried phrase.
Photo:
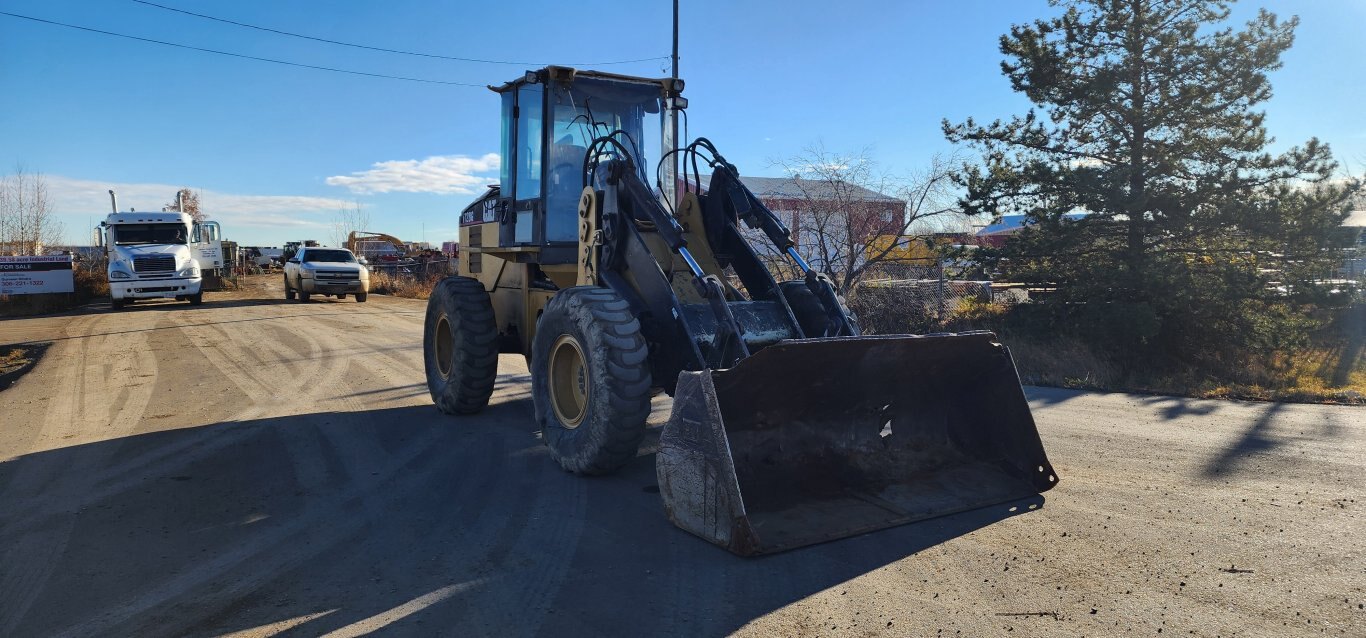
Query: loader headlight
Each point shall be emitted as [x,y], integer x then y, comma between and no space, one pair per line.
[119,274]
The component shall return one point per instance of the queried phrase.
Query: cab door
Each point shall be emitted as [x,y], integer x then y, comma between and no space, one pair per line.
[207,247]
[520,200]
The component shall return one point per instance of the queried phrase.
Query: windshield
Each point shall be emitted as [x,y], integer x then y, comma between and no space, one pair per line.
[313,255]
[581,112]
[131,234]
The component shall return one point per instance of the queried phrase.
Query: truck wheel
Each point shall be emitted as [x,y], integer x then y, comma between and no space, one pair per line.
[116,304]
[196,298]
[590,380]
[360,297]
[808,309]
[459,345]
[303,296]
[289,292]
[341,296]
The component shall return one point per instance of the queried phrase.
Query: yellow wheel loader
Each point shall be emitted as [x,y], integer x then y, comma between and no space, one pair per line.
[788,427]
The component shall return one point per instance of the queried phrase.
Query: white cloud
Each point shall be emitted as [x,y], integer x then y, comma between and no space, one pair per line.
[440,174]
[79,203]
[70,195]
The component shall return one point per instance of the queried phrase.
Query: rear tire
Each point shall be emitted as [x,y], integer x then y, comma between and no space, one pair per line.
[459,345]
[590,380]
[360,297]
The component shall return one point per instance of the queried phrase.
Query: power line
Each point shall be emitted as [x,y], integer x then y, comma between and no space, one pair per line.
[382,49]
[241,55]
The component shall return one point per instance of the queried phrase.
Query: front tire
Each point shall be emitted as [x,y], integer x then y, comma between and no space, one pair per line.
[116,304]
[360,297]
[289,292]
[196,298]
[459,345]
[590,380]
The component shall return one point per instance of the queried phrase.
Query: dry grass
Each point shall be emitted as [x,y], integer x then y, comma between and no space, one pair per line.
[1063,363]
[1320,374]
[1332,369]
[409,287]
[14,359]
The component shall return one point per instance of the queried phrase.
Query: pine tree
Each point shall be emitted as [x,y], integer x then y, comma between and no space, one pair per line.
[1145,119]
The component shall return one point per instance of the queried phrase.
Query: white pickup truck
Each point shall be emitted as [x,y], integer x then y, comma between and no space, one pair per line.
[333,272]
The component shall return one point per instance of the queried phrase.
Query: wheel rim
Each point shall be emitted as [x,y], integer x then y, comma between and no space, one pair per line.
[443,346]
[568,381]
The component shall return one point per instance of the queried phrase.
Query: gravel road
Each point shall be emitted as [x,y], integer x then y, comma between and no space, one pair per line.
[253,467]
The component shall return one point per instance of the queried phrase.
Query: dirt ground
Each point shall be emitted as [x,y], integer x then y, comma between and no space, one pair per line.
[255,467]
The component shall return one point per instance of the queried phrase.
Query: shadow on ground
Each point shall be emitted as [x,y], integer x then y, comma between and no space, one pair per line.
[397,519]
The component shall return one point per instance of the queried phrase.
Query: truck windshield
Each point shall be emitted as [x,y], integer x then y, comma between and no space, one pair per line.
[131,234]
[312,255]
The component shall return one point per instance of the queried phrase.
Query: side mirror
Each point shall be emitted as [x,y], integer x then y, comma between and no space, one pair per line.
[294,261]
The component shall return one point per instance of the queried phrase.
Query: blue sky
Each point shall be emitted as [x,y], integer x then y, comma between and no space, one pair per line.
[765,80]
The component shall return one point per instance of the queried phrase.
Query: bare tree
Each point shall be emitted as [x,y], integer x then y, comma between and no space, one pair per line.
[849,217]
[27,225]
[190,201]
[347,220]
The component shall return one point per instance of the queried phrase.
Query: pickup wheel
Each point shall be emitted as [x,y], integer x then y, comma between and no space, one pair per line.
[459,345]
[116,304]
[303,296]
[341,296]
[360,297]
[289,292]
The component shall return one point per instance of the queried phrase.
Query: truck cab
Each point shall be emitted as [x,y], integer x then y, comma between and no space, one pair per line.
[157,255]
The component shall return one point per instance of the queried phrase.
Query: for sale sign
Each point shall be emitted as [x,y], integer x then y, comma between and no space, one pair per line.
[35,275]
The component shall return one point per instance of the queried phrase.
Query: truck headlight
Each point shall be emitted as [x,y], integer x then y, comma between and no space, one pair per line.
[119,274]
[192,271]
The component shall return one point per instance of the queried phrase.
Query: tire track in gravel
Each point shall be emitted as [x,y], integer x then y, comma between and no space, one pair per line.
[269,397]
[326,522]
[33,554]
[360,458]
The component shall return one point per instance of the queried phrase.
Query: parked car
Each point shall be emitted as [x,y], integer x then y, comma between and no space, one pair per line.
[333,272]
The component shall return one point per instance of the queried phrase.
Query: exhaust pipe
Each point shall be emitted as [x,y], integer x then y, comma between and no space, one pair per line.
[113,201]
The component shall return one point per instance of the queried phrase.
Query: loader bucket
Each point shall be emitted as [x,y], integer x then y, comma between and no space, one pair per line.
[813,440]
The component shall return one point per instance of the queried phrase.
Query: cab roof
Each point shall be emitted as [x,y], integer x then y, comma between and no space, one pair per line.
[147,218]
[569,74]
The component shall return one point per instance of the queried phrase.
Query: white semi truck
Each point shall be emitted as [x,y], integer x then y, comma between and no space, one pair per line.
[158,255]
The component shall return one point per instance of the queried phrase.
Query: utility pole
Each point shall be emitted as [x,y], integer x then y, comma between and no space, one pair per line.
[670,190]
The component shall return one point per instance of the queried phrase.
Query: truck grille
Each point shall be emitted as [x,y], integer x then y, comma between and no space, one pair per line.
[154,263]
[337,275]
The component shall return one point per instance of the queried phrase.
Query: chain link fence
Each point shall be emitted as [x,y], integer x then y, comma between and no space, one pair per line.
[921,300]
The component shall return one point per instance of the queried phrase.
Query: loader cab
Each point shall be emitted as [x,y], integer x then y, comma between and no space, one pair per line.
[550,119]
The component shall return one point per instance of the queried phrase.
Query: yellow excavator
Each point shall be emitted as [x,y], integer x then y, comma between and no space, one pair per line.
[354,239]
[788,426]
